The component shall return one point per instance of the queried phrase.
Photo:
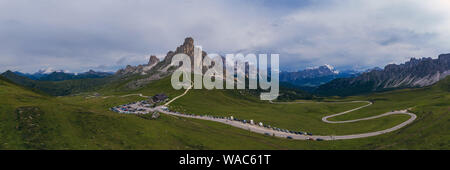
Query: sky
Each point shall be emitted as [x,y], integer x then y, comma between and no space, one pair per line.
[106,35]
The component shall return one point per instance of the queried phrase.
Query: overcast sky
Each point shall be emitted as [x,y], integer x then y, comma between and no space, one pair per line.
[109,34]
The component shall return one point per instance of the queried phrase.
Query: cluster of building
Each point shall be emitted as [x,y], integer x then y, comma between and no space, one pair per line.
[141,107]
[158,98]
[147,106]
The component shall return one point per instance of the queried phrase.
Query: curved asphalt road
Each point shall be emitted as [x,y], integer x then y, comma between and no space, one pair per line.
[269,131]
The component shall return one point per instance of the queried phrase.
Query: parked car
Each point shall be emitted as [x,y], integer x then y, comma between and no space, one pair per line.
[289,137]
[319,139]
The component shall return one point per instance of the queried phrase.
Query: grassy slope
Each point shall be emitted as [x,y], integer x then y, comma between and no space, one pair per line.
[76,123]
[304,117]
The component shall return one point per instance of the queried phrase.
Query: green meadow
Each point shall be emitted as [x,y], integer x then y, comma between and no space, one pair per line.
[29,120]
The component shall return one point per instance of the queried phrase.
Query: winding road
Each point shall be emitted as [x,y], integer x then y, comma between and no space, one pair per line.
[271,132]
[263,130]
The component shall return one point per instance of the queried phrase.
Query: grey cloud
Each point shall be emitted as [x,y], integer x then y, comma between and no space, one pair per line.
[78,35]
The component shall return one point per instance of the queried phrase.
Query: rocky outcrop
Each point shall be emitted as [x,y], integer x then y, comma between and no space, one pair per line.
[140,69]
[314,76]
[156,69]
[186,48]
[153,60]
[320,71]
[414,73]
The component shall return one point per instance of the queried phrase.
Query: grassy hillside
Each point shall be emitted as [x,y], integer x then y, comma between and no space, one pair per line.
[73,122]
[302,117]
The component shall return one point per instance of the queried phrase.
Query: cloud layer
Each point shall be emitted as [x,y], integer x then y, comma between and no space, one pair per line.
[109,34]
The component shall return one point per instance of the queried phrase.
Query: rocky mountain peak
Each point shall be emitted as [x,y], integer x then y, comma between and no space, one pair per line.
[48,71]
[321,70]
[188,41]
[156,69]
[153,60]
[413,73]
[154,63]
[314,76]
[444,59]
[187,47]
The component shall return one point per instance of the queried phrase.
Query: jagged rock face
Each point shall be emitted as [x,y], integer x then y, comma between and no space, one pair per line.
[313,76]
[127,70]
[187,48]
[414,73]
[156,69]
[308,73]
[140,69]
[153,60]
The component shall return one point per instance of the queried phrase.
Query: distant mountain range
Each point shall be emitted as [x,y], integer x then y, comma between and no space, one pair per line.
[414,73]
[321,80]
[315,76]
[58,88]
[60,75]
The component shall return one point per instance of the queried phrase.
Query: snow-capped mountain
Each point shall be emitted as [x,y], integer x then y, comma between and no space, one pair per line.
[314,76]
[414,73]
[325,69]
[50,74]
[50,70]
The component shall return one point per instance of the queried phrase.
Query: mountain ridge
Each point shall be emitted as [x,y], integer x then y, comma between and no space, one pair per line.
[413,73]
[61,75]
[314,76]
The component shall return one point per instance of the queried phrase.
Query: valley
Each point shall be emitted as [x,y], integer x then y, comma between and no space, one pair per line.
[74,122]
[80,114]
[140,108]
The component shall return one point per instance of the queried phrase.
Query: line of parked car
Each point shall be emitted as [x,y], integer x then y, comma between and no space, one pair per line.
[276,129]
[309,138]
[128,109]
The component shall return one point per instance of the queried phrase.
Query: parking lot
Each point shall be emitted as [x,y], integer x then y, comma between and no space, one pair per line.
[139,107]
